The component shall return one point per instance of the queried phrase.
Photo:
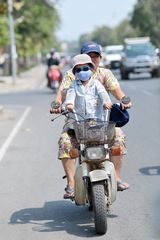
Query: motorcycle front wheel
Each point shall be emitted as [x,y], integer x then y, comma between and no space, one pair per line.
[99,207]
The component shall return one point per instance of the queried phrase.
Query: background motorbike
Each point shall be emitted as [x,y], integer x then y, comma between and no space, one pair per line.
[54,78]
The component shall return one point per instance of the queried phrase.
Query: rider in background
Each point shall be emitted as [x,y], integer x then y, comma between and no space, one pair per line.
[53,61]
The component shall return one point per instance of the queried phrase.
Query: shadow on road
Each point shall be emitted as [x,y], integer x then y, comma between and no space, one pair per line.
[58,216]
[152,170]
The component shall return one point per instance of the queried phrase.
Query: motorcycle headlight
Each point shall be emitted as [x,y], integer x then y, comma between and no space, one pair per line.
[95,153]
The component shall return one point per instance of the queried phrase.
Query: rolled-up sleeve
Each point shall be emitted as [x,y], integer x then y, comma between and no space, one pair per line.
[102,93]
[67,80]
[110,82]
[71,95]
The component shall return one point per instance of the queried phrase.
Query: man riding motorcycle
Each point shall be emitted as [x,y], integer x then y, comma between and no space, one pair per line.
[66,142]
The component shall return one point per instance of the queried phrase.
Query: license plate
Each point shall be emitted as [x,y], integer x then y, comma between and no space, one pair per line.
[54,84]
[141,70]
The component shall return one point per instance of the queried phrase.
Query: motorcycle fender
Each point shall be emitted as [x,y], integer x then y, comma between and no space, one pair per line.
[54,84]
[98,175]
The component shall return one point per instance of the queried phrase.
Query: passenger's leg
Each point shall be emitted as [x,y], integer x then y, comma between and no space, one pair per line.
[66,143]
[118,160]
[69,168]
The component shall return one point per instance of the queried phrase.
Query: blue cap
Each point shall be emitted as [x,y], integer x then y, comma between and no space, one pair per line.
[88,47]
[119,116]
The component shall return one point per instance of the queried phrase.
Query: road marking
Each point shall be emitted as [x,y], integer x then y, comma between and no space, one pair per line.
[8,141]
[147,92]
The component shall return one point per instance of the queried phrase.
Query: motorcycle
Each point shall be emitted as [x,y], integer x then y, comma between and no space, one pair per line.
[95,179]
[54,78]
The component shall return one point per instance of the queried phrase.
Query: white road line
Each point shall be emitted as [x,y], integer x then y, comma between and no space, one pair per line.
[147,92]
[8,141]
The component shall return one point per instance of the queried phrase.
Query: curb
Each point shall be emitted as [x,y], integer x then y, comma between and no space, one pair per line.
[28,80]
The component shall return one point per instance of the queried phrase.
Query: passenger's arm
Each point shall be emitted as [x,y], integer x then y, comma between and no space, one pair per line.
[103,95]
[61,94]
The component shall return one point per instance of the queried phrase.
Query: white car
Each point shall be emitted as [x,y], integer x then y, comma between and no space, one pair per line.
[139,57]
[113,55]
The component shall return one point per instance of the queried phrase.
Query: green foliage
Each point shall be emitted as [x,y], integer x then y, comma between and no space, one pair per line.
[3,8]
[146,18]
[110,36]
[4,34]
[124,29]
[35,24]
[144,21]
[100,35]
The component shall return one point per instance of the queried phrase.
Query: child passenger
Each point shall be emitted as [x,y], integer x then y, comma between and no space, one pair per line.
[87,96]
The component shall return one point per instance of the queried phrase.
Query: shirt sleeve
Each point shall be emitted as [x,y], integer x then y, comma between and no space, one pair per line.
[102,93]
[71,95]
[109,81]
[67,80]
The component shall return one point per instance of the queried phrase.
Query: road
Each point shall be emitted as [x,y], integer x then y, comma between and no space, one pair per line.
[31,184]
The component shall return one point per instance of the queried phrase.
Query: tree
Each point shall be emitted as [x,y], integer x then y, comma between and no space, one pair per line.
[100,35]
[146,19]
[125,30]
[4,35]
[35,24]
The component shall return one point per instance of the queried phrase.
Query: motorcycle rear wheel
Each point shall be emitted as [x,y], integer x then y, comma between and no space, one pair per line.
[99,208]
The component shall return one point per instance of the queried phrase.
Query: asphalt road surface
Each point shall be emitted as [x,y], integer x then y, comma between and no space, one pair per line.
[31,184]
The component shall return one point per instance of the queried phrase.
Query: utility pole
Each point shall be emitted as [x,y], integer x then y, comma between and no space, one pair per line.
[12,42]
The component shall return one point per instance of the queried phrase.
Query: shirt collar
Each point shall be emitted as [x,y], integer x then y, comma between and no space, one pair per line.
[78,82]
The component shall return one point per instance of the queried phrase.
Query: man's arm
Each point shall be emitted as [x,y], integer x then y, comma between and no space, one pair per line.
[119,94]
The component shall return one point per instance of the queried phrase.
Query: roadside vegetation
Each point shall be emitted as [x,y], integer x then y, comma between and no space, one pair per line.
[144,20]
[35,24]
[37,21]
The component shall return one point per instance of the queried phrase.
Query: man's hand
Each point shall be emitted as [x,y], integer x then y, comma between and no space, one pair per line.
[53,110]
[126,106]
[126,102]
[55,107]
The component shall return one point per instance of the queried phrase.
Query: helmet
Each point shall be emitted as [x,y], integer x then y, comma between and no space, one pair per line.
[88,47]
[52,51]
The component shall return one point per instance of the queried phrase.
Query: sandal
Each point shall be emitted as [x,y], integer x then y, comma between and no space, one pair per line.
[121,186]
[69,194]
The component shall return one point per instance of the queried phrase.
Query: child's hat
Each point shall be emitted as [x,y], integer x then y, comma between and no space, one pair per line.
[81,59]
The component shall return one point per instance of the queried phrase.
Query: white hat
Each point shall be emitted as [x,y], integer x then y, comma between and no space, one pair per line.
[82,59]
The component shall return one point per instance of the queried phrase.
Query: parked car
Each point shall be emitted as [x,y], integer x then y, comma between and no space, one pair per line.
[113,55]
[139,56]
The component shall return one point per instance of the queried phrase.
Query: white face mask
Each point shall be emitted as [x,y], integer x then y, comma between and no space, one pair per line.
[83,75]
